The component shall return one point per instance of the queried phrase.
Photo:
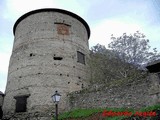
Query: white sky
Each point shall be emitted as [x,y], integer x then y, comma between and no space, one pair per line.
[105,17]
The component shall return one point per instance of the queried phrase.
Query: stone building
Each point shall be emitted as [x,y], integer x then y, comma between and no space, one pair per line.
[154,91]
[50,53]
[1,103]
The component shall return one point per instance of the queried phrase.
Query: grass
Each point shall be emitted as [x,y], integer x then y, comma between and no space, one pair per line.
[79,113]
[84,113]
[151,108]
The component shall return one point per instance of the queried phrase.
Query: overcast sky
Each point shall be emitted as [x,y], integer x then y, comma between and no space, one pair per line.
[105,17]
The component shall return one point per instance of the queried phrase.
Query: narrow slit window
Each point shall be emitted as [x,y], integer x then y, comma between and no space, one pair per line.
[31,54]
[80,57]
[57,58]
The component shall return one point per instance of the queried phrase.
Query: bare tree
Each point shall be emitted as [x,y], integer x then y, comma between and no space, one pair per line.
[133,49]
[106,67]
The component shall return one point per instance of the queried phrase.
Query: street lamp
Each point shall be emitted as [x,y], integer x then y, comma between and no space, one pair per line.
[56,97]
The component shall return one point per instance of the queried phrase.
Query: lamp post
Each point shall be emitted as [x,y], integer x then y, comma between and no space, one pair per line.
[56,97]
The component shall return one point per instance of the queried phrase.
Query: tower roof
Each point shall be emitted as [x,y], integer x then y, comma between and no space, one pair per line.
[52,10]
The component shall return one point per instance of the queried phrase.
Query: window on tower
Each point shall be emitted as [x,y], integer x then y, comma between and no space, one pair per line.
[57,58]
[21,103]
[80,57]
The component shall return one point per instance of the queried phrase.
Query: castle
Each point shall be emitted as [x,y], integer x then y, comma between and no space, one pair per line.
[50,53]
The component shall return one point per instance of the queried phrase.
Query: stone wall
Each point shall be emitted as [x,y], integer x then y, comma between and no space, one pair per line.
[154,90]
[135,95]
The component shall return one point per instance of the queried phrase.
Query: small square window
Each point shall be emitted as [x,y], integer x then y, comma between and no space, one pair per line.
[80,57]
[21,103]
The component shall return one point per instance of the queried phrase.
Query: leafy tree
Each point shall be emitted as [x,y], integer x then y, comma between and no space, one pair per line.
[133,49]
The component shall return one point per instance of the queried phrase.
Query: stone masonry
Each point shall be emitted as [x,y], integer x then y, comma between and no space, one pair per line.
[138,94]
[133,95]
[154,91]
[50,53]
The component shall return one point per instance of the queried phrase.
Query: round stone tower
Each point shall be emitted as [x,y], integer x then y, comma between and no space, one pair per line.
[50,53]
